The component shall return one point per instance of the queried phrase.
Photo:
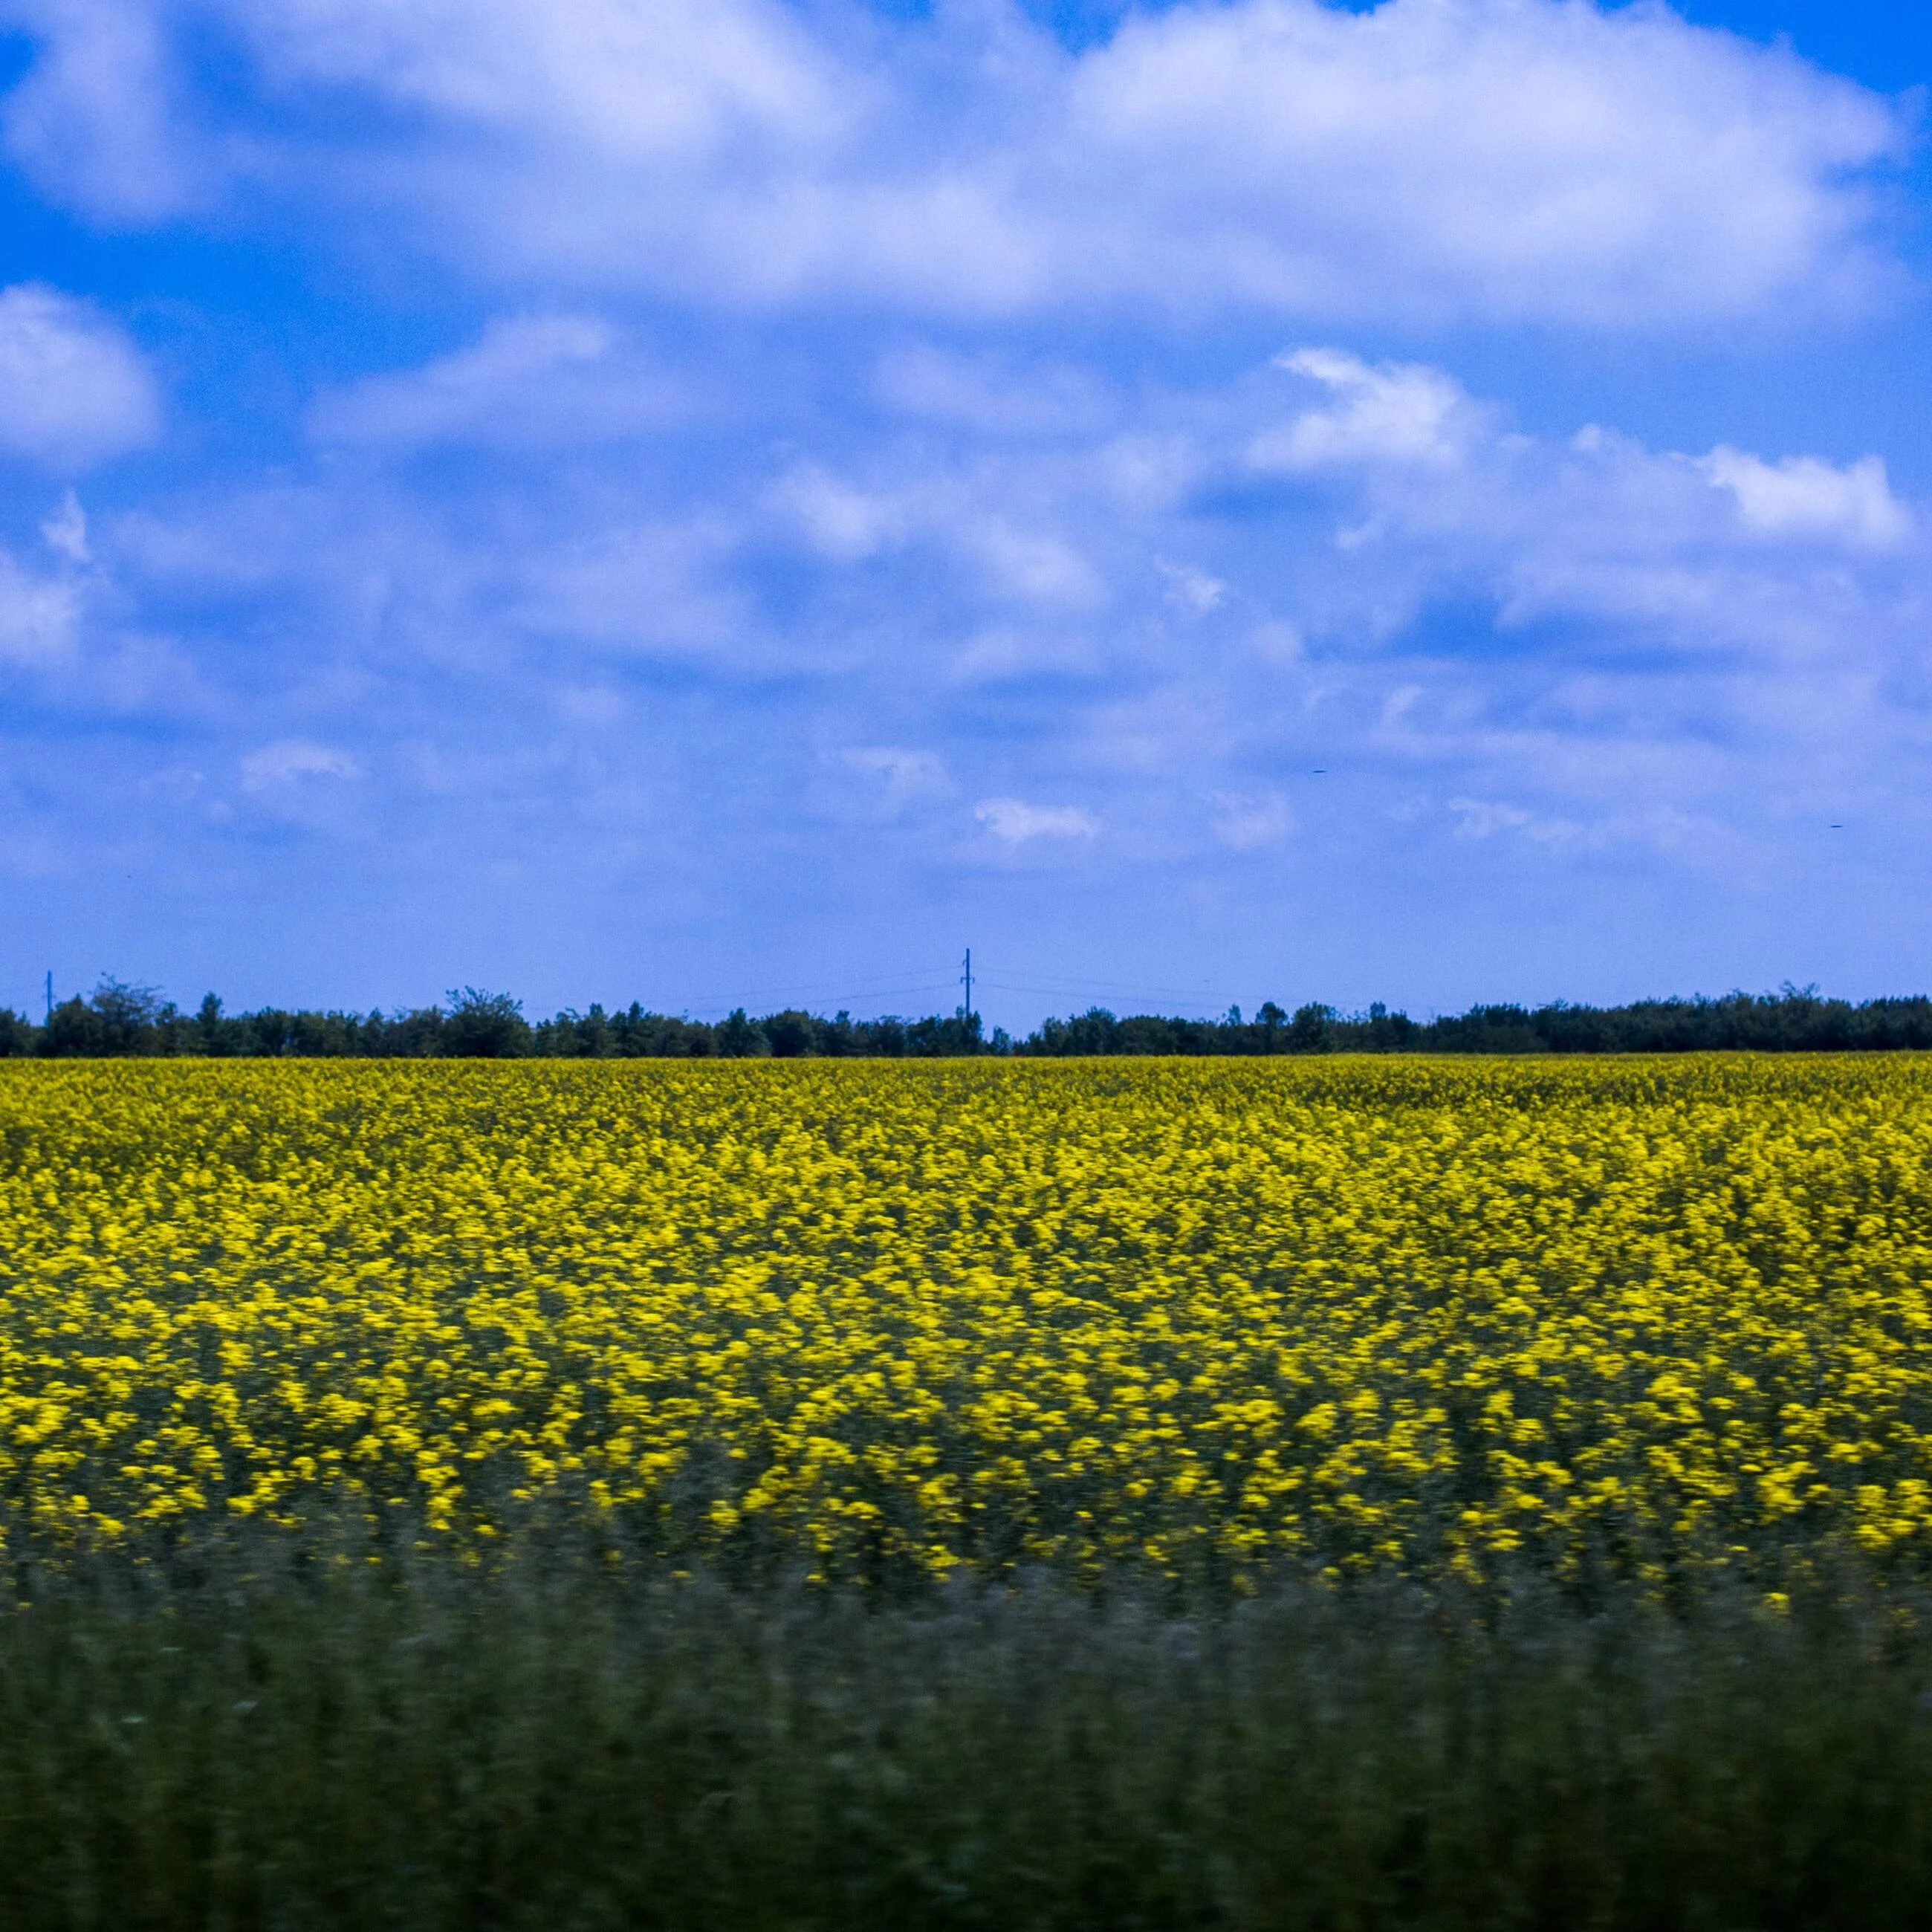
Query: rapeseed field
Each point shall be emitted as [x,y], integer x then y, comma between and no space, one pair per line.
[1195,1318]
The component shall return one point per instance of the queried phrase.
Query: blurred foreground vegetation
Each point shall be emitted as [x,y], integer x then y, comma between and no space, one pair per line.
[249,1730]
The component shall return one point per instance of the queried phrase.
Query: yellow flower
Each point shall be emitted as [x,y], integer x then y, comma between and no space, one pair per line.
[1365,1311]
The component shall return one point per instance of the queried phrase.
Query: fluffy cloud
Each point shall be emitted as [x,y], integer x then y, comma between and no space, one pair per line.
[886,783]
[290,763]
[1537,159]
[65,531]
[74,390]
[1802,496]
[101,121]
[1494,157]
[1482,818]
[39,617]
[965,518]
[531,382]
[1404,416]
[1431,501]
[1247,823]
[1013,822]
[1410,566]
[656,588]
[841,523]
[986,394]
[677,81]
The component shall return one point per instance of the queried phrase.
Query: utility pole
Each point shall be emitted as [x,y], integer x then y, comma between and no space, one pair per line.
[969,982]
[50,993]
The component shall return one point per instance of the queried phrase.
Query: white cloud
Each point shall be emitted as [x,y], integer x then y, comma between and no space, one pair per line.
[897,780]
[923,772]
[842,522]
[531,382]
[1606,815]
[66,530]
[1435,503]
[672,80]
[39,617]
[292,764]
[1034,566]
[963,514]
[74,390]
[1802,496]
[1658,546]
[1401,415]
[649,589]
[99,120]
[1193,590]
[1249,822]
[1014,823]
[1483,818]
[1512,159]
[1014,653]
[985,395]
[1505,157]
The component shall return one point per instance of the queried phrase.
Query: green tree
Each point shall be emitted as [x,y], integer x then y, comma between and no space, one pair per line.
[115,1020]
[485,1026]
[739,1038]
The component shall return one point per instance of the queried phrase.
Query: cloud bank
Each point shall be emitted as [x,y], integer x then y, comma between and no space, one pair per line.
[1515,159]
[1162,614]
[74,389]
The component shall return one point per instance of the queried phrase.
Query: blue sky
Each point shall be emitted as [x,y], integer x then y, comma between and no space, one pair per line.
[698,500]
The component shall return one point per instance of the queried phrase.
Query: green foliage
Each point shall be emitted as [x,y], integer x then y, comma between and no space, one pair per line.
[485,1026]
[117,1019]
[736,1038]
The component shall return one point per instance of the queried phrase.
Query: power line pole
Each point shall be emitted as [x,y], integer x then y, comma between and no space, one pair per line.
[50,993]
[969,982]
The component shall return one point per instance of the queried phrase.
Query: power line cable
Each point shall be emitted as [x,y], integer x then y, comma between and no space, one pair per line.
[1043,982]
[918,978]
[942,981]
[1204,1003]
[935,986]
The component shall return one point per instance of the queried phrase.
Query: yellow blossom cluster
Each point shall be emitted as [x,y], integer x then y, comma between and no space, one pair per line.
[1195,1315]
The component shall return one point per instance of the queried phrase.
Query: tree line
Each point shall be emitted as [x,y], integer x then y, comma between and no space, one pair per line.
[118,1019]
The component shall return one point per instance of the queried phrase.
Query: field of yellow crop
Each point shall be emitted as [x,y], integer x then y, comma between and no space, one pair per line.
[1197,1315]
